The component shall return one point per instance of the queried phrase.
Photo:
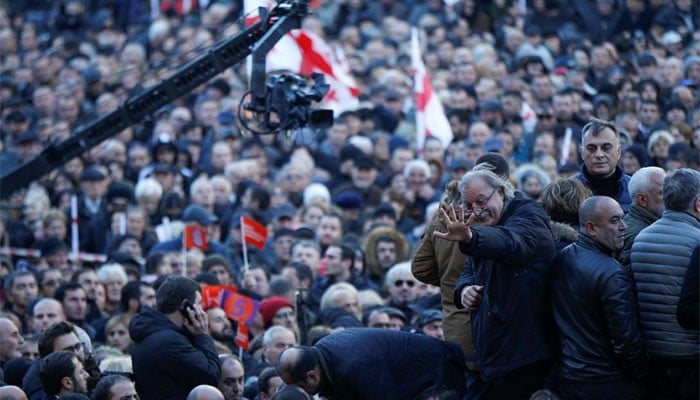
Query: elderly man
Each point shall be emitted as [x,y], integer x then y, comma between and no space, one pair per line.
[10,341]
[602,354]
[645,188]
[509,247]
[10,392]
[660,257]
[381,364]
[601,153]
[205,392]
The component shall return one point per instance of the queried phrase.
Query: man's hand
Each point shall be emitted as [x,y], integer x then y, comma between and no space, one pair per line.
[458,224]
[471,297]
[198,323]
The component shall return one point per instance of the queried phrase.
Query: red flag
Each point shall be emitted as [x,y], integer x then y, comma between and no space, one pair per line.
[242,339]
[430,116]
[195,237]
[253,232]
[213,295]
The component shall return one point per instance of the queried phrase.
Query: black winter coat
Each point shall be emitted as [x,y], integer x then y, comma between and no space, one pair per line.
[511,260]
[596,315]
[381,364]
[168,362]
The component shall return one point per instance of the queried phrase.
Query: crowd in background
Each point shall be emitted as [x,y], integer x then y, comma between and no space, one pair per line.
[345,207]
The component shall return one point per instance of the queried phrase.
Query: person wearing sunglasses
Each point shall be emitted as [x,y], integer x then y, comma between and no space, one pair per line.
[401,286]
[509,249]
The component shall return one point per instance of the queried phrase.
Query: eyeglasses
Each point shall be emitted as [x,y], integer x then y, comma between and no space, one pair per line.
[74,348]
[469,207]
[401,282]
[288,314]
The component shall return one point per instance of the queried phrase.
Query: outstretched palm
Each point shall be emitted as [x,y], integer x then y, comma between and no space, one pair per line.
[457,223]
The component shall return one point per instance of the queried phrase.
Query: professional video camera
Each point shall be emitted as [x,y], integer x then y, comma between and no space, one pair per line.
[286,105]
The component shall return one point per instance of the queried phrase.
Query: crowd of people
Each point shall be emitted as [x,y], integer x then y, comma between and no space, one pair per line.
[554,239]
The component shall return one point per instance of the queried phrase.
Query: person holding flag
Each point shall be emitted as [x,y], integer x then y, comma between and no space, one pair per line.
[195,235]
[246,241]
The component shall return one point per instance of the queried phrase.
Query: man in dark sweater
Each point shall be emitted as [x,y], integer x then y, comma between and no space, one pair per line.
[601,152]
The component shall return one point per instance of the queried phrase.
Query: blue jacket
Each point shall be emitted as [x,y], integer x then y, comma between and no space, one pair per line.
[660,256]
[511,327]
[168,362]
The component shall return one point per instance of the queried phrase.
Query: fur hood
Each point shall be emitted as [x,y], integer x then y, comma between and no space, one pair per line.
[403,250]
[563,232]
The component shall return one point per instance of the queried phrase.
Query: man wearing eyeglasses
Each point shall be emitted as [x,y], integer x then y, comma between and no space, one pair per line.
[60,336]
[401,286]
[509,248]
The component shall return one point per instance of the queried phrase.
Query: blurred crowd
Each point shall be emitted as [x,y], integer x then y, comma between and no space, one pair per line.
[345,208]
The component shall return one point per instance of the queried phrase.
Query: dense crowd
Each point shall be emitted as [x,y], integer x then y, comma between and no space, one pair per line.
[364,229]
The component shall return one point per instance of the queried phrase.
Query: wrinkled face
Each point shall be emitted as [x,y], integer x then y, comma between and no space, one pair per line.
[231,384]
[362,177]
[282,341]
[386,254]
[402,289]
[118,337]
[654,197]
[608,228]
[75,305]
[113,288]
[601,153]
[348,301]
[483,200]
[416,179]
[10,340]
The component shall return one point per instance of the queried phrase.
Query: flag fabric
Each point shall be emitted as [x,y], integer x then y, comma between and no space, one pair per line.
[242,339]
[195,237]
[253,233]
[303,52]
[236,306]
[430,115]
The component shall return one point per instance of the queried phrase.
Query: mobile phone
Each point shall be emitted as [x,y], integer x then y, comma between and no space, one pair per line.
[184,307]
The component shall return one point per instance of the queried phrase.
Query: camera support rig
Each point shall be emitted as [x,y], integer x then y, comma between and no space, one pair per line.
[256,39]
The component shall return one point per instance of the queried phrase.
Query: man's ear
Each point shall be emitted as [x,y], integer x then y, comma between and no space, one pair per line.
[641,199]
[589,227]
[67,383]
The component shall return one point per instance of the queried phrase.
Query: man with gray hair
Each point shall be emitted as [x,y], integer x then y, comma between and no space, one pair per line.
[660,256]
[645,188]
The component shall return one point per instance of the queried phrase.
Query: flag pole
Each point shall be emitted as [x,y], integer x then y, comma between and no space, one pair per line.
[75,240]
[245,247]
[183,254]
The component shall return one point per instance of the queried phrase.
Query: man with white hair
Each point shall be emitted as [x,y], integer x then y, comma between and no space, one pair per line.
[645,188]
[401,286]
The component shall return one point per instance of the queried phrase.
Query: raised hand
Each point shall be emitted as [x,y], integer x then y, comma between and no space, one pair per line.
[457,223]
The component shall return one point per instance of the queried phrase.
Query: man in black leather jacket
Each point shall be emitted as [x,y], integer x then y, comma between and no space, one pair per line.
[602,355]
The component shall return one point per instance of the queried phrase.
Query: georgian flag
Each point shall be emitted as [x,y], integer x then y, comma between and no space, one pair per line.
[430,116]
[303,52]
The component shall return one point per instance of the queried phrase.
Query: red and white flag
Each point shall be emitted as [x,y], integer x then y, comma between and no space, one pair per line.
[303,52]
[195,237]
[253,233]
[430,115]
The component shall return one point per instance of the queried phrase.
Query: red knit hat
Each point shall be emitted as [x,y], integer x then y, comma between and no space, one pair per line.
[270,306]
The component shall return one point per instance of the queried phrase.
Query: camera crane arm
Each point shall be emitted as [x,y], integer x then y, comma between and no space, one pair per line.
[256,39]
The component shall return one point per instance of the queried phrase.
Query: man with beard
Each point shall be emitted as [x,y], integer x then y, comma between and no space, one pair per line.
[220,327]
[73,299]
[135,295]
[62,373]
[232,374]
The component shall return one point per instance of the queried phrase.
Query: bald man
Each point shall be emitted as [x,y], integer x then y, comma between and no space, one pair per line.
[12,393]
[380,362]
[45,313]
[205,392]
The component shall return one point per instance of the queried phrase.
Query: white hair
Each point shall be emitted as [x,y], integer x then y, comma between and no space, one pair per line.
[148,187]
[641,180]
[419,164]
[108,270]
